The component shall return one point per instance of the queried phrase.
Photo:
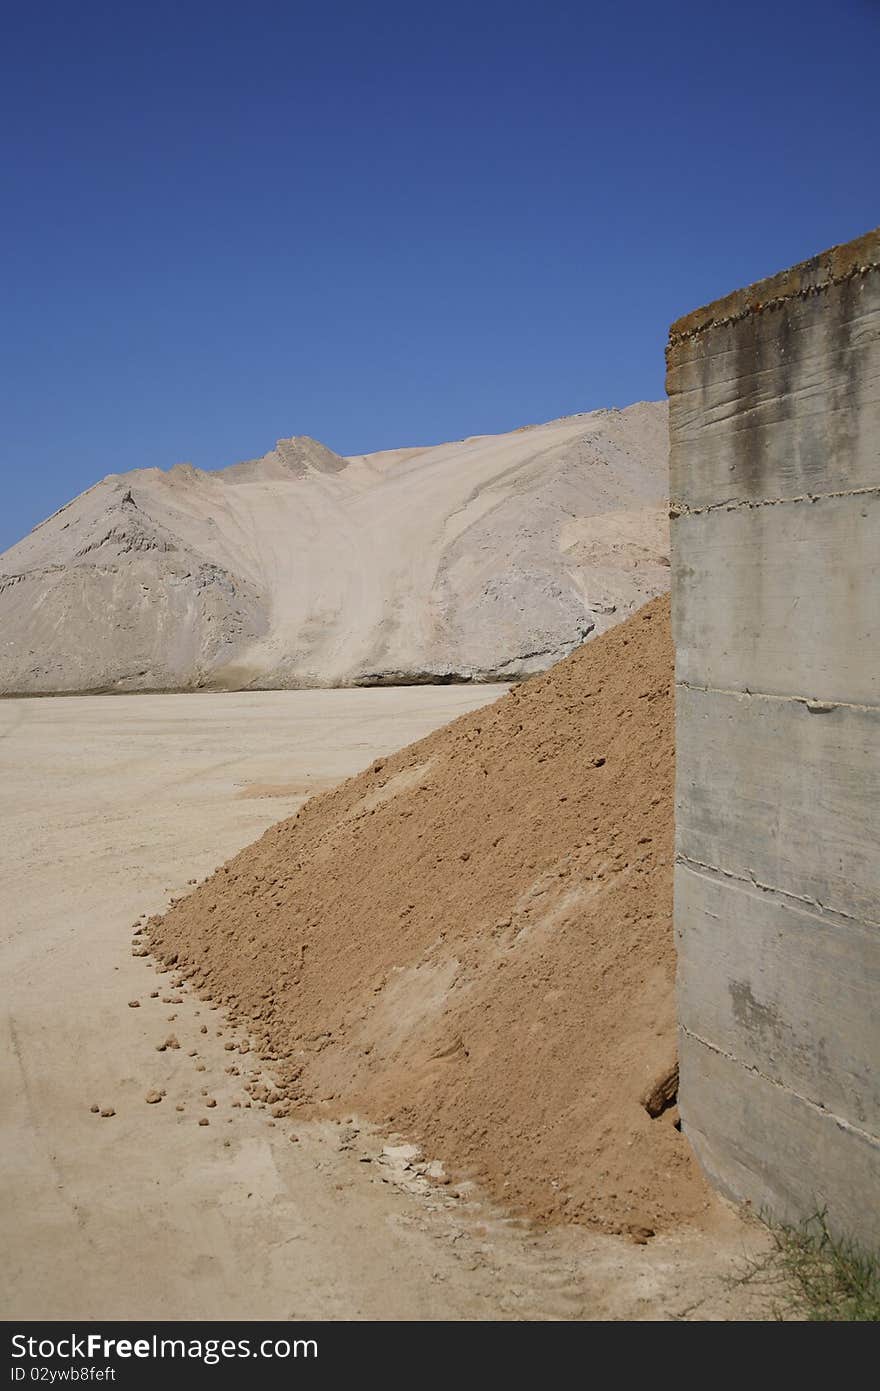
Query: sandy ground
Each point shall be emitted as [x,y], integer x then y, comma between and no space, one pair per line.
[110,806]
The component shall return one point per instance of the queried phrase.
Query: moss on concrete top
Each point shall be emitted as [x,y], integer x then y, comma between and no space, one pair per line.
[830,267]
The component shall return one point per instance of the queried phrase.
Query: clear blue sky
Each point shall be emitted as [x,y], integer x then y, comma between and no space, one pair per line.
[392,223]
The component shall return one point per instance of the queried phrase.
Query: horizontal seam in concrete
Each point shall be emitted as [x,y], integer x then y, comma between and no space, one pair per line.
[814,704]
[782,896]
[681,509]
[781,1086]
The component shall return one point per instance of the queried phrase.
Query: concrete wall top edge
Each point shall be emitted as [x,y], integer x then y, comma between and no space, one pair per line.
[829,267]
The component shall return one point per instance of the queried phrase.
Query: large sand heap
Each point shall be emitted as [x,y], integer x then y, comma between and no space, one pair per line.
[487,558]
[471,942]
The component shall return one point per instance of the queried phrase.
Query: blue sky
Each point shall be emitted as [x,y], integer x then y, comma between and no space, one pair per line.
[392,224]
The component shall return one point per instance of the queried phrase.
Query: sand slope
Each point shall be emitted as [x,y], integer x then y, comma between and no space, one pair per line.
[472,941]
[488,557]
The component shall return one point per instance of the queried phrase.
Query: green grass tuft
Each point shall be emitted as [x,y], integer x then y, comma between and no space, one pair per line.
[817,1277]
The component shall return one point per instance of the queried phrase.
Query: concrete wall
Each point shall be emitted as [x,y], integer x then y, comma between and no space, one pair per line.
[775,486]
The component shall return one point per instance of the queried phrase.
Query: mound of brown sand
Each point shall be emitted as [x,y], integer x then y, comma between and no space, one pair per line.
[471,942]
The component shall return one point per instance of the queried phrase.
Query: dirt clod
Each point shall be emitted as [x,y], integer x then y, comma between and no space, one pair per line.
[662,1093]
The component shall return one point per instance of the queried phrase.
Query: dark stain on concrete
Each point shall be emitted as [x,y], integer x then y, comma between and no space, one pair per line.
[753,1015]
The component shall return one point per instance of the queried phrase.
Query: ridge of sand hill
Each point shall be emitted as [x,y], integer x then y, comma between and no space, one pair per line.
[471,942]
[487,558]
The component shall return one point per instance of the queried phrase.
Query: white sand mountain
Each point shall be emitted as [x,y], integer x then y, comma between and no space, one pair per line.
[487,558]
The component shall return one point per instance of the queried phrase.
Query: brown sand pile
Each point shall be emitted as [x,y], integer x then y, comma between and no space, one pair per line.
[471,942]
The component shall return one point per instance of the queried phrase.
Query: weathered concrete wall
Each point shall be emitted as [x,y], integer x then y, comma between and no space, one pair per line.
[775,486]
